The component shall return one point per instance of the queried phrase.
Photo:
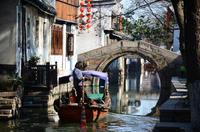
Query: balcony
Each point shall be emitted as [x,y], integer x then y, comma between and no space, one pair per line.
[40,77]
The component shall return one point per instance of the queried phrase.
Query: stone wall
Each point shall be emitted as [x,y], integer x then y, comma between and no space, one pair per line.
[194,92]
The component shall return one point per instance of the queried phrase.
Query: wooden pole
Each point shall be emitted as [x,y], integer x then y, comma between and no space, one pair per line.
[83,116]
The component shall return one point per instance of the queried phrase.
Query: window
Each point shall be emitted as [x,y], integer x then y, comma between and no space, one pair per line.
[68,28]
[28,28]
[37,33]
[56,40]
[70,44]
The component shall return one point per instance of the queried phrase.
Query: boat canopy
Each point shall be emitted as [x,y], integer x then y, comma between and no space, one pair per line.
[101,75]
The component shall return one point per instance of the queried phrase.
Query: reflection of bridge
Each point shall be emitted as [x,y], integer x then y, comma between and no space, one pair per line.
[166,62]
[142,96]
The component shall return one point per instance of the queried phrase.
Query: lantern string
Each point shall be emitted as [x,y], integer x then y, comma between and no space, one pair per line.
[81,15]
[88,14]
[120,24]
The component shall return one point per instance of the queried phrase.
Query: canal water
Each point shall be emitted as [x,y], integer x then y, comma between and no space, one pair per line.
[132,98]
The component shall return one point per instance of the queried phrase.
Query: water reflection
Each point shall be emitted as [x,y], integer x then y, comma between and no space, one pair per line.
[40,120]
[132,93]
[137,90]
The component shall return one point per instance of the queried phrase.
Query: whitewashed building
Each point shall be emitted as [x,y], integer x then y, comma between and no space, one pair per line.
[104,19]
[25,31]
[64,30]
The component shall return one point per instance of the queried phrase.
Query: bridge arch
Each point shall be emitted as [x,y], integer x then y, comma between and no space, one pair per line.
[127,54]
[166,62]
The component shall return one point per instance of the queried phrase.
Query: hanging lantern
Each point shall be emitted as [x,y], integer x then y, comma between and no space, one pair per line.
[88,26]
[81,4]
[88,14]
[120,24]
[88,5]
[88,21]
[81,15]
[80,26]
[81,10]
[88,10]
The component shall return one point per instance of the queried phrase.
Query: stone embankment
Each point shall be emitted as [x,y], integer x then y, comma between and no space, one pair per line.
[175,112]
[41,97]
[10,104]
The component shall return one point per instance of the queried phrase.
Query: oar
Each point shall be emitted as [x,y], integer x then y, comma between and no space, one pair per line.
[83,125]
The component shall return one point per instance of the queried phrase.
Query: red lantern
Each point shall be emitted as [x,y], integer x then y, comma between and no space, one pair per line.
[89,0]
[80,26]
[88,26]
[81,9]
[88,21]
[81,15]
[88,15]
[88,5]
[88,10]
[81,4]
[120,18]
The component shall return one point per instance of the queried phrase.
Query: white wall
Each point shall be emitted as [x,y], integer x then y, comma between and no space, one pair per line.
[100,20]
[8,31]
[65,63]
[40,46]
[86,40]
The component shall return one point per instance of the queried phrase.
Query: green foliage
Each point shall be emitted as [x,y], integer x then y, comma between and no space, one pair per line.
[33,60]
[144,28]
[12,83]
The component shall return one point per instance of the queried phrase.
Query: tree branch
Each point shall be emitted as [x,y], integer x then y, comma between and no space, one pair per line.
[139,7]
[153,12]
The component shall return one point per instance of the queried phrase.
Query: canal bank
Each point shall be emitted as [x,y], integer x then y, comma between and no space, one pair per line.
[175,112]
[44,98]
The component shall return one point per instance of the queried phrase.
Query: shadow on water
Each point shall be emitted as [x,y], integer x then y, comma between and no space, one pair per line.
[133,94]
[39,120]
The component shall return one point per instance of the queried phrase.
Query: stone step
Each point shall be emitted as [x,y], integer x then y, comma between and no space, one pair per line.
[35,98]
[172,127]
[8,94]
[5,116]
[10,106]
[179,95]
[30,105]
[36,88]
[6,101]
[5,111]
[175,110]
[37,93]
[36,102]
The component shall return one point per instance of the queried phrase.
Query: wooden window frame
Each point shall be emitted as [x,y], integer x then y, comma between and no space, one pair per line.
[57,40]
[69,44]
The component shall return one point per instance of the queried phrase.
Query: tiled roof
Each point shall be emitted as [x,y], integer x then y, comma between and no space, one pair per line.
[42,6]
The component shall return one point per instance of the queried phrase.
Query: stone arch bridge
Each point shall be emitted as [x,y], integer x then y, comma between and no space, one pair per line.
[166,62]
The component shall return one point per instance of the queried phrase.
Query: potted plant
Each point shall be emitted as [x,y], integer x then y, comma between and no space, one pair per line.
[33,61]
[13,83]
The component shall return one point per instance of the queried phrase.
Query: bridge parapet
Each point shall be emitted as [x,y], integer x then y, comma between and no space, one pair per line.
[158,56]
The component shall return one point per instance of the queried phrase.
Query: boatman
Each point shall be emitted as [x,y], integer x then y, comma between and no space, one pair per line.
[77,79]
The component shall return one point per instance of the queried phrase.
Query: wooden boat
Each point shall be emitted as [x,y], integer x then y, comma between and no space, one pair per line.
[95,110]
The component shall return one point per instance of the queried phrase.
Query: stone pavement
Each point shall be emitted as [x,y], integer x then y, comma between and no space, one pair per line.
[175,112]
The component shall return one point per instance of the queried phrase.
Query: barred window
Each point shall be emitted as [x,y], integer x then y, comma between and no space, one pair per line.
[70,44]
